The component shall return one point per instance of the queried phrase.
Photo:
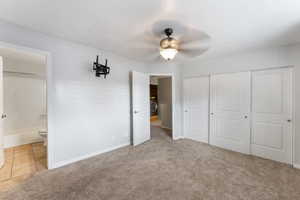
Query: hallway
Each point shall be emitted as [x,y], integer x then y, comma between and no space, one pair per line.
[160,133]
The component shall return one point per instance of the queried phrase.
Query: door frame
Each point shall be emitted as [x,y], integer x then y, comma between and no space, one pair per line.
[173,99]
[49,92]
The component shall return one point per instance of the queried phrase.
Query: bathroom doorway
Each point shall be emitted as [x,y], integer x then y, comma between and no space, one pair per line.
[24,118]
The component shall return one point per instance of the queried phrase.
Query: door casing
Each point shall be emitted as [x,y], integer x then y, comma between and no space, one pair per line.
[50,93]
[175,135]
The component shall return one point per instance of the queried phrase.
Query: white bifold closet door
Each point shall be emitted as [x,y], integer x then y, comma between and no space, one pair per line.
[272,114]
[230,109]
[196,105]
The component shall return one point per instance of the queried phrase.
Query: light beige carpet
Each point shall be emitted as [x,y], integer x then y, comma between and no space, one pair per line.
[165,170]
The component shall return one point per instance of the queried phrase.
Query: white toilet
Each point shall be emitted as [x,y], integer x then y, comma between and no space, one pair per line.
[44,133]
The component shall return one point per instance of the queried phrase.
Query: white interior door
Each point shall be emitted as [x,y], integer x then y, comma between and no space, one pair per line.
[1,115]
[140,107]
[196,108]
[230,108]
[272,114]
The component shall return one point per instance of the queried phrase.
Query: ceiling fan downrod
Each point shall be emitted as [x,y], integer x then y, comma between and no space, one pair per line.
[168,31]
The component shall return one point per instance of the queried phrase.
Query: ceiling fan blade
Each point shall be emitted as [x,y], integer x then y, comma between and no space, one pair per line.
[145,40]
[192,53]
[143,46]
[194,43]
[193,35]
[159,27]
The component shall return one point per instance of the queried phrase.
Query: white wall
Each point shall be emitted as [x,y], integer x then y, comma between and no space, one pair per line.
[252,60]
[164,91]
[81,107]
[25,107]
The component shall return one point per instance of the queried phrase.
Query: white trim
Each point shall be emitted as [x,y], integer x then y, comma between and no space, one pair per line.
[21,139]
[293,116]
[89,155]
[178,137]
[233,72]
[209,107]
[50,92]
[173,100]
[297,166]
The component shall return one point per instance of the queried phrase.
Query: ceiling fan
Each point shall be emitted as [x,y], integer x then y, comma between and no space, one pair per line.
[170,38]
[169,46]
[189,44]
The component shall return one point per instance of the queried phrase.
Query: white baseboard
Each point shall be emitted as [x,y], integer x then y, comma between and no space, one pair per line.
[178,137]
[297,166]
[20,139]
[73,160]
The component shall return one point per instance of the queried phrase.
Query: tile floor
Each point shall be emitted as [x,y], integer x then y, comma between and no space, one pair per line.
[22,162]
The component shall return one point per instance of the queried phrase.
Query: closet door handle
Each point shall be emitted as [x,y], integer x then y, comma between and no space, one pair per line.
[245,116]
[3,116]
[289,120]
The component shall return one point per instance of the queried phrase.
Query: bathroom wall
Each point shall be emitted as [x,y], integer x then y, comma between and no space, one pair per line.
[25,107]
[164,91]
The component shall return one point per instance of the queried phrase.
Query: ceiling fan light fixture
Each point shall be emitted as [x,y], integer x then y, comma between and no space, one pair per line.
[168,46]
[169,53]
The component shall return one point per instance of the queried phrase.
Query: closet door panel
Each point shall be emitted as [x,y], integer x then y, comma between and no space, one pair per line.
[196,108]
[230,109]
[272,114]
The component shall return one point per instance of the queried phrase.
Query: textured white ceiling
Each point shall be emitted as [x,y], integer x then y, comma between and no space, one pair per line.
[117,26]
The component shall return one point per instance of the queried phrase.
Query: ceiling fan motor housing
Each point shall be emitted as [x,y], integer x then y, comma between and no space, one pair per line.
[169,42]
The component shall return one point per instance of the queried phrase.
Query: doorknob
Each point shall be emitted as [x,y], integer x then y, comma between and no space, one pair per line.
[245,116]
[3,116]
[289,120]
[135,112]
[185,111]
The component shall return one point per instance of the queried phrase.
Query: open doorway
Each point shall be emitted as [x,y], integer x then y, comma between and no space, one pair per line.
[161,107]
[24,124]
